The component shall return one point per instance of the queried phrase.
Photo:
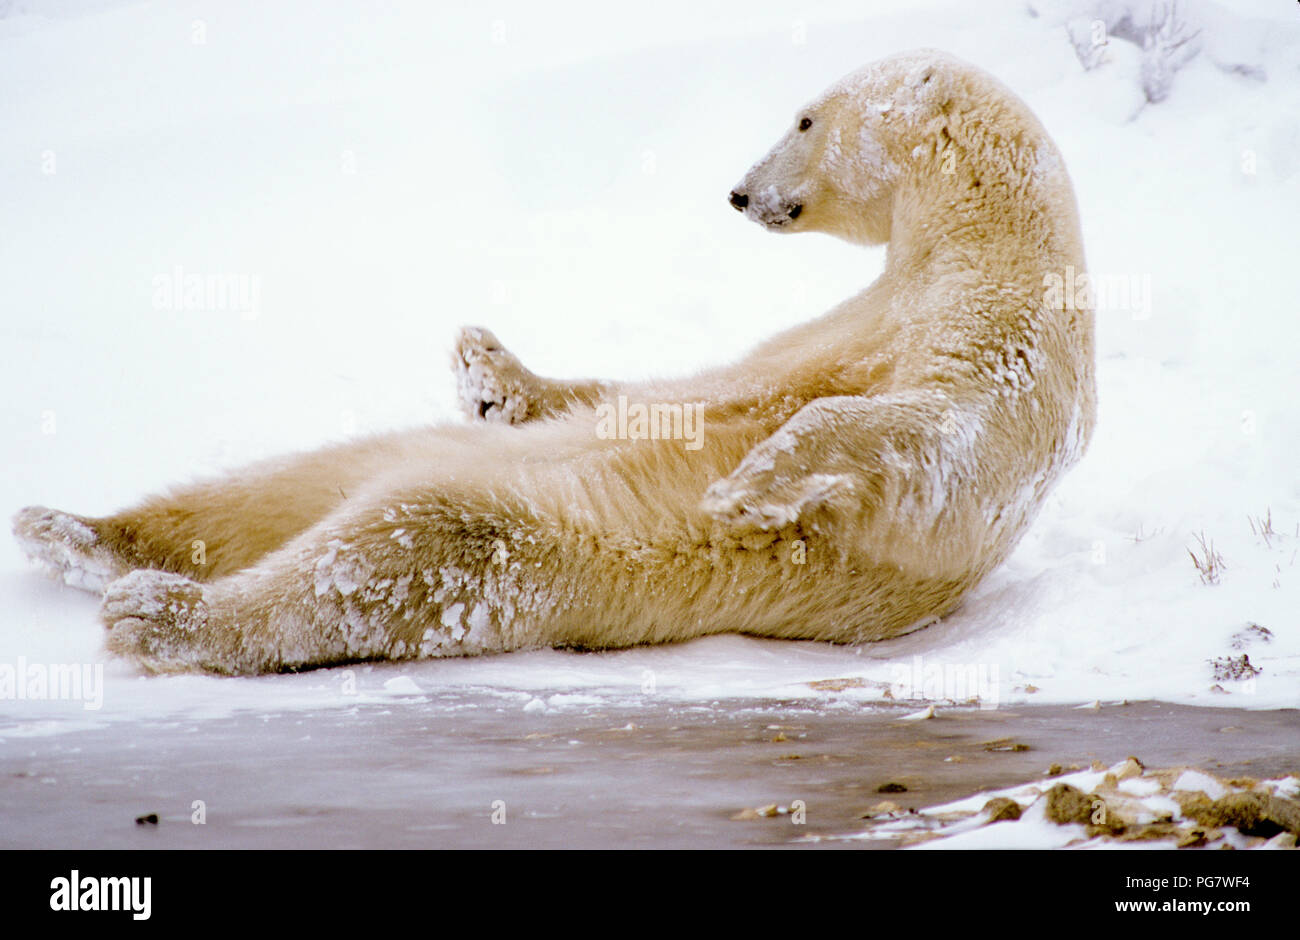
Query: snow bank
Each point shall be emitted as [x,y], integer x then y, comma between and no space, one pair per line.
[382,180]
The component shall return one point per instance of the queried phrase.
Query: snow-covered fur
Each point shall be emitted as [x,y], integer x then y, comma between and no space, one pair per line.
[850,480]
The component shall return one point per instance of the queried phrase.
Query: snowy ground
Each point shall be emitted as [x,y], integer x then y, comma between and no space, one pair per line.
[378,175]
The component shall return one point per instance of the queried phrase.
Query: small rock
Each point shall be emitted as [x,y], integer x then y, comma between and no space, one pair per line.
[1055,770]
[882,808]
[1160,830]
[1132,767]
[891,787]
[1283,812]
[919,716]
[1104,821]
[1067,804]
[149,820]
[1233,668]
[1004,744]
[837,685]
[762,812]
[1251,814]
[1193,839]
[1000,809]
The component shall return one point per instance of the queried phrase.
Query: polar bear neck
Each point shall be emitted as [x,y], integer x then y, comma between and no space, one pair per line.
[988,185]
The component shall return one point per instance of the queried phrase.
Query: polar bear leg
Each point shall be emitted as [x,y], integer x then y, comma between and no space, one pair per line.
[71,548]
[210,529]
[449,564]
[902,457]
[493,385]
[415,572]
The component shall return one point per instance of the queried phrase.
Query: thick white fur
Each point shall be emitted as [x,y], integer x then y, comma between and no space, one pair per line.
[858,474]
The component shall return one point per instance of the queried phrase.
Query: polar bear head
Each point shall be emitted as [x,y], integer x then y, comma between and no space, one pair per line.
[837,167]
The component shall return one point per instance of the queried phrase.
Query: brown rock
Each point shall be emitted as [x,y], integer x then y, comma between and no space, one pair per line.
[1004,744]
[1132,767]
[882,808]
[761,812]
[1151,832]
[1250,813]
[1284,812]
[838,685]
[1067,804]
[1000,809]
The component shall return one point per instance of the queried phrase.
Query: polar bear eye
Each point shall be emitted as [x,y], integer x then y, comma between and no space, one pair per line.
[805,124]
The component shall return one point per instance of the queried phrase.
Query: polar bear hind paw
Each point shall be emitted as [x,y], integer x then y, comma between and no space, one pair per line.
[493,384]
[156,619]
[68,547]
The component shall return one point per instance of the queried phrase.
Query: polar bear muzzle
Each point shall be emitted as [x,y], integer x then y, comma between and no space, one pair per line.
[741,202]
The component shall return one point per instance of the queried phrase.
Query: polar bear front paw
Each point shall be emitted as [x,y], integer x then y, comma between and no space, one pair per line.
[157,619]
[493,384]
[769,505]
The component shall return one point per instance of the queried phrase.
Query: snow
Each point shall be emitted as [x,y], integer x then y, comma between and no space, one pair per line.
[382,180]
[1193,780]
[1138,801]
[402,685]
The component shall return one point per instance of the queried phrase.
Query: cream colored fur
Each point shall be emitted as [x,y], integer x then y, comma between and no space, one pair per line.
[857,474]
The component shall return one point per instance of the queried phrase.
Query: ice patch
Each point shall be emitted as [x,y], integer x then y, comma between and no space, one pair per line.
[402,685]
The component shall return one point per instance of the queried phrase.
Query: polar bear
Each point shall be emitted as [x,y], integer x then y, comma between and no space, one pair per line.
[854,476]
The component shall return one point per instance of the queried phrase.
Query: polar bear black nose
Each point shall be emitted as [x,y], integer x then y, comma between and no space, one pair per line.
[739,200]
[794,212]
